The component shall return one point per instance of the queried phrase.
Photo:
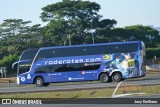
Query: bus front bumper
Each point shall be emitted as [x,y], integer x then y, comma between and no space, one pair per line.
[23,80]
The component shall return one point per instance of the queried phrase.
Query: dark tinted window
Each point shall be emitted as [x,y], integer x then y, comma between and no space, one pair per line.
[43,69]
[87,50]
[24,67]
[107,49]
[50,53]
[91,66]
[68,67]
[29,54]
[77,51]
[27,58]
[93,50]
[43,54]
[62,52]
[61,68]
[76,67]
[119,48]
[125,48]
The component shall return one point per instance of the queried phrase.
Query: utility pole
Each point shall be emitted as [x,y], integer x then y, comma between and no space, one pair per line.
[70,42]
[92,31]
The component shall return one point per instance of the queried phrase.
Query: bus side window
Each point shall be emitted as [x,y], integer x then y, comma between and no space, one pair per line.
[62,52]
[61,68]
[92,66]
[28,68]
[42,69]
[77,51]
[93,50]
[76,67]
[50,69]
[107,49]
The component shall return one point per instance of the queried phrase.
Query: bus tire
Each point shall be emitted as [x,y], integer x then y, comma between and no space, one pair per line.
[39,82]
[104,77]
[117,77]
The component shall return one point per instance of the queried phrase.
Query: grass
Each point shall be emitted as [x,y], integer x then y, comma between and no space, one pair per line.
[94,93]
[90,93]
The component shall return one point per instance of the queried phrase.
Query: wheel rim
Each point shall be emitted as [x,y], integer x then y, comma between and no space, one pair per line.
[104,78]
[39,82]
[116,77]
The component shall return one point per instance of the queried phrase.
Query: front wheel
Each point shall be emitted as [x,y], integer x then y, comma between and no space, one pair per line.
[117,77]
[39,82]
[104,78]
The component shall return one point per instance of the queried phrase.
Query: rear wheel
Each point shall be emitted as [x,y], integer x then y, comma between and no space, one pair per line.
[104,78]
[39,82]
[117,77]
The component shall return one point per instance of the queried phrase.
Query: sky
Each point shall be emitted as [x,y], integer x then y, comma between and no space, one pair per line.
[125,12]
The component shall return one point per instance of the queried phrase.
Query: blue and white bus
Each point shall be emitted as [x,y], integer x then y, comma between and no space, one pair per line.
[105,62]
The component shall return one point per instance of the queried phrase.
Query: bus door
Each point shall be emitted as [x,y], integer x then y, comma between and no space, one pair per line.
[23,67]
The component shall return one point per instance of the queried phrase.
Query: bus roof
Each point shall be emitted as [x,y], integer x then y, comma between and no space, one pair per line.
[110,43]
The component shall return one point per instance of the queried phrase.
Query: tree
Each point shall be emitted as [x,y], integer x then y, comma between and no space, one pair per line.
[7,62]
[16,36]
[72,19]
[9,30]
[145,33]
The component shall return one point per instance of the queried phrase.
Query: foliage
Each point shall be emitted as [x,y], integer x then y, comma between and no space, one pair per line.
[73,20]
[147,34]
[16,36]
[151,52]
[7,61]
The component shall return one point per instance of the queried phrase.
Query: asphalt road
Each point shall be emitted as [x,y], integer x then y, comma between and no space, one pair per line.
[63,86]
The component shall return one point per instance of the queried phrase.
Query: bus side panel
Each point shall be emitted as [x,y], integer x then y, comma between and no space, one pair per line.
[126,63]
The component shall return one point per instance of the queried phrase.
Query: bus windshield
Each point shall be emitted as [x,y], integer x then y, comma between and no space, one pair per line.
[26,60]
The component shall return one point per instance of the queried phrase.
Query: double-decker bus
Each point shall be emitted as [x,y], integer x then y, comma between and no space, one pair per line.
[106,62]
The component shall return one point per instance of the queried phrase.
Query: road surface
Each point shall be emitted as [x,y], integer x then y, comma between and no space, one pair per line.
[74,86]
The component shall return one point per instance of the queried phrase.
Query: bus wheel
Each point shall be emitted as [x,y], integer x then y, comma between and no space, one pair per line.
[104,78]
[39,82]
[117,77]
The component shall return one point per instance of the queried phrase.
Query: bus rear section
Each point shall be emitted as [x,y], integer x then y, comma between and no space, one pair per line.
[105,62]
[124,60]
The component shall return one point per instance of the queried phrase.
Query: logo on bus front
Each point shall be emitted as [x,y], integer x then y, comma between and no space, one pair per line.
[23,79]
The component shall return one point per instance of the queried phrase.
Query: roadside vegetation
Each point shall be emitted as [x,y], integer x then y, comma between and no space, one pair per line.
[90,93]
